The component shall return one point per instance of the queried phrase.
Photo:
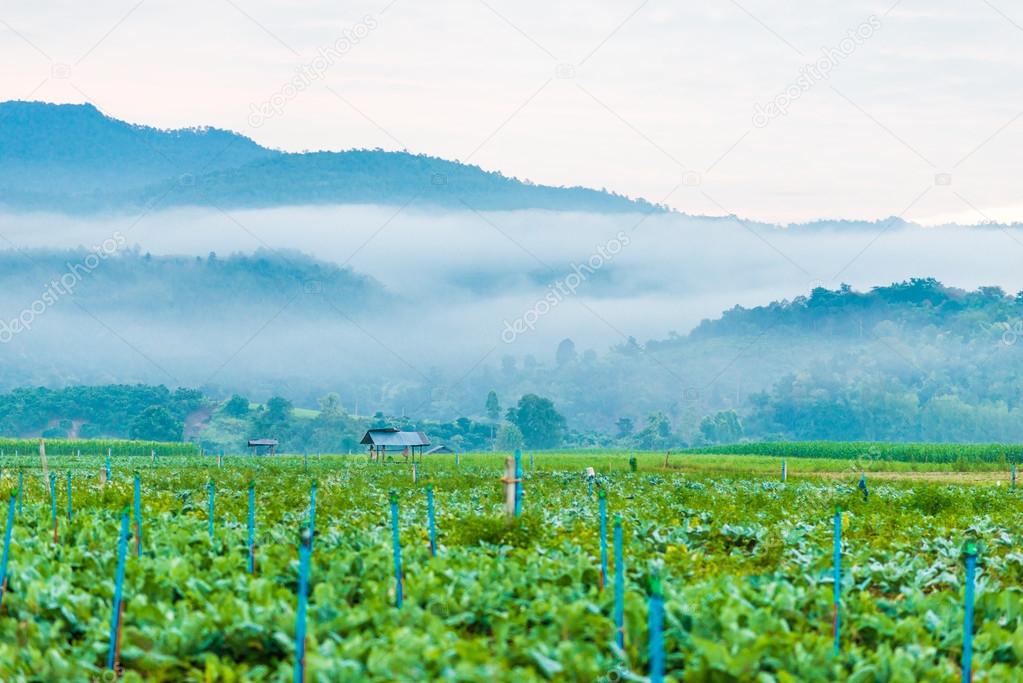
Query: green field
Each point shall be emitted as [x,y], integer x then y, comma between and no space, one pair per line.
[119,447]
[745,562]
[872,451]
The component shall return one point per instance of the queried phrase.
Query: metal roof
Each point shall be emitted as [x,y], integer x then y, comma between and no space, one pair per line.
[389,436]
[439,449]
[262,442]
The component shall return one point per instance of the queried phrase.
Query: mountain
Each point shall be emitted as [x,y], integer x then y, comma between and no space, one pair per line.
[73,158]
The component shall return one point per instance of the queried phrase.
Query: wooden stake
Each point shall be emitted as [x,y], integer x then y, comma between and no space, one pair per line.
[509,487]
[42,460]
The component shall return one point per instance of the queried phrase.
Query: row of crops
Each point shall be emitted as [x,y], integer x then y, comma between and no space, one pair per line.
[117,447]
[874,450]
[746,567]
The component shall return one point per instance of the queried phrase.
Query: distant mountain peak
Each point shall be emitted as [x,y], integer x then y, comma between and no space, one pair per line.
[73,157]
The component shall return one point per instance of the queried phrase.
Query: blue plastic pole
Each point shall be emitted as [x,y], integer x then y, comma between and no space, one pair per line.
[70,511]
[837,563]
[602,502]
[518,482]
[304,551]
[252,527]
[619,585]
[211,487]
[312,513]
[432,520]
[108,464]
[115,619]
[138,515]
[7,547]
[53,503]
[656,630]
[971,573]
[396,540]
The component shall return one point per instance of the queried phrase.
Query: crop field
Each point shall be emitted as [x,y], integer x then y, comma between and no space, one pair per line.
[739,565]
[868,451]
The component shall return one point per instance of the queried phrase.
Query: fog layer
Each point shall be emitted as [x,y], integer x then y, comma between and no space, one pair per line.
[463,289]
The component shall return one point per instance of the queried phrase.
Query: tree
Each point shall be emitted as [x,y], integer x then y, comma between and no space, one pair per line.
[509,438]
[723,427]
[656,434]
[330,404]
[156,423]
[565,353]
[278,409]
[493,406]
[236,406]
[542,426]
[625,427]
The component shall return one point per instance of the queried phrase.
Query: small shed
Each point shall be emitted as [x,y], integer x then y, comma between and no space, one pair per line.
[439,449]
[379,440]
[267,446]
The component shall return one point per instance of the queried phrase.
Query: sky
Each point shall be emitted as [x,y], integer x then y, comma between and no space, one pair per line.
[840,109]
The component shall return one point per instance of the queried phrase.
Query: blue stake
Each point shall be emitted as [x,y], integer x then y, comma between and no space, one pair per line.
[252,527]
[971,573]
[53,503]
[432,520]
[108,465]
[837,562]
[304,551]
[518,482]
[211,487]
[138,515]
[312,513]
[7,547]
[619,585]
[602,503]
[656,630]
[397,548]
[69,506]
[115,619]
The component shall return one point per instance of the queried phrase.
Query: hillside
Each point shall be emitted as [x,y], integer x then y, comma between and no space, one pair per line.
[74,158]
[911,361]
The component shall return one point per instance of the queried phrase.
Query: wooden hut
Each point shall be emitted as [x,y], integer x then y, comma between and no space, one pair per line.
[379,440]
[267,446]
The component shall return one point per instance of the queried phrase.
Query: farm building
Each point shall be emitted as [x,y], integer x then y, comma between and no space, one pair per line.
[439,449]
[379,440]
[263,446]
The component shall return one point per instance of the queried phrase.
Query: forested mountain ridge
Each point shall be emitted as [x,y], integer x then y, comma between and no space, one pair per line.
[915,360]
[917,302]
[73,158]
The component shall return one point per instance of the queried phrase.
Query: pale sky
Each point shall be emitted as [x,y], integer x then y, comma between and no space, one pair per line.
[920,116]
